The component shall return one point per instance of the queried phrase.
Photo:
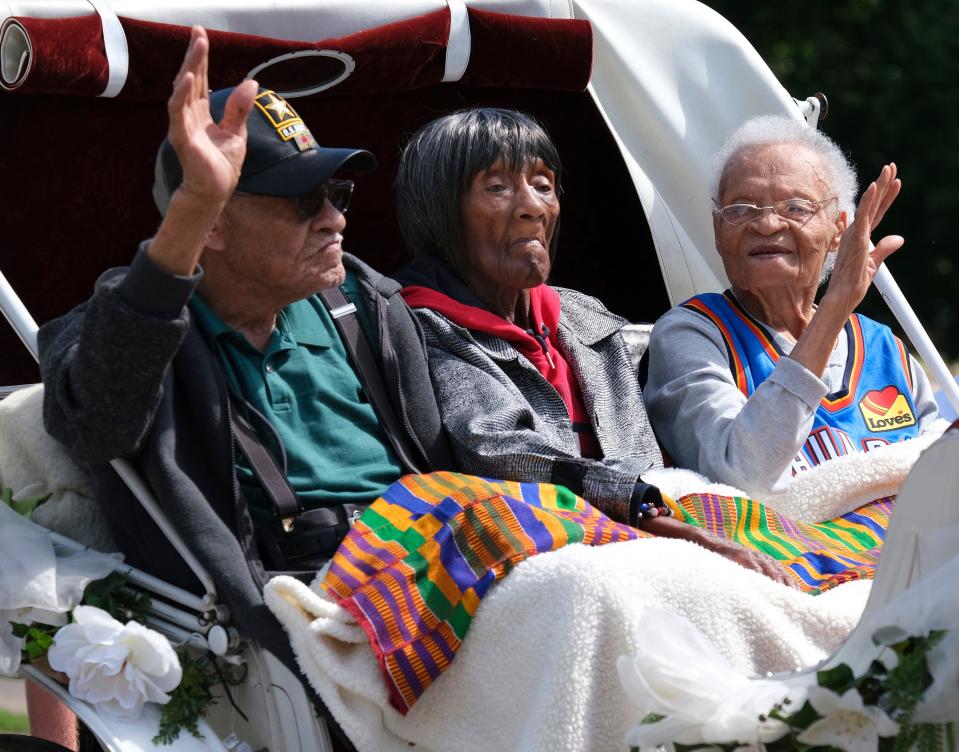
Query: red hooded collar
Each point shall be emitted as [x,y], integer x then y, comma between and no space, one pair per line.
[538,345]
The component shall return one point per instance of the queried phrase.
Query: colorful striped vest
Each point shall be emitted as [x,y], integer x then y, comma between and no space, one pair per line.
[874,406]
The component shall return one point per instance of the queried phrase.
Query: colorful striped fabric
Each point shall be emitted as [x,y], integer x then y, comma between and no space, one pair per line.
[414,568]
[820,556]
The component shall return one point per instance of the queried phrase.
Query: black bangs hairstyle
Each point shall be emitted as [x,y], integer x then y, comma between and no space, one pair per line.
[441,160]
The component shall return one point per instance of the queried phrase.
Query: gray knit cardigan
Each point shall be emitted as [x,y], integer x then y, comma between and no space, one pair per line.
[505,420]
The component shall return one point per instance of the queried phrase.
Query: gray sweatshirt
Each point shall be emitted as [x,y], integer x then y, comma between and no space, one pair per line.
[706,424]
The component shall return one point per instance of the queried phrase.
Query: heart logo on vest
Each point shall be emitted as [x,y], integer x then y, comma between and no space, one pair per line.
[886,410]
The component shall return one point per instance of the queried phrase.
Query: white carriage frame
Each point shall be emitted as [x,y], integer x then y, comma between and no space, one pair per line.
[645,92]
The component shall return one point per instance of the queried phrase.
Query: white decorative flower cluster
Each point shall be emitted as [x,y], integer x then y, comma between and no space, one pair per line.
[847,723]
[703,698]
[39,582]
[116,667]
[695,697]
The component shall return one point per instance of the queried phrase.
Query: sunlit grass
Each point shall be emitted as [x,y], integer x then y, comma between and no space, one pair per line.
[13,723]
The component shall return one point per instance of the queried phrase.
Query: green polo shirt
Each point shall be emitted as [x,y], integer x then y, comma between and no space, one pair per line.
[336,451]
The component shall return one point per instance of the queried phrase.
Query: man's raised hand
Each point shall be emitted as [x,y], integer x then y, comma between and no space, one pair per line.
[211,154]
[211,157]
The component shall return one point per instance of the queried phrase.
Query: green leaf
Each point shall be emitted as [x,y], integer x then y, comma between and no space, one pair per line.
[42,638]
[871,688]
[838,679]
[189,701]
[23,507]
[908,681]
[932,738]
[876,668]
[787,743]
[112,595]
[803,718]
[37,639]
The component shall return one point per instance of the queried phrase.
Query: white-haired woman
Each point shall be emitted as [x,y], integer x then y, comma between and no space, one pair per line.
[751,386]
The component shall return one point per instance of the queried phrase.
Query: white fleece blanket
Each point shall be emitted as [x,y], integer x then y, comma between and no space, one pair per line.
[537,670]
[33,463]
[826,491]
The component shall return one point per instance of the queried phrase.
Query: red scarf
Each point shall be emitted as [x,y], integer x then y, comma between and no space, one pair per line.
[541,350]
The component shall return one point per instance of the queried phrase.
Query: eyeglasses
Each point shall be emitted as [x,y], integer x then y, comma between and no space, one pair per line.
[308,205]
[797,210]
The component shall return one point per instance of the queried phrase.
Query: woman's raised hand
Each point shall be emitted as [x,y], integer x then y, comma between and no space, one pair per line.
[211,154]
[857,261]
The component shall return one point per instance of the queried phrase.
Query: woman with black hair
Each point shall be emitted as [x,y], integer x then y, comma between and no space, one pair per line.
[534,383]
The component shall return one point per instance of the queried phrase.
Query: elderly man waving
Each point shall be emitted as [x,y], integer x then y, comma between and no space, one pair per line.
[217,330]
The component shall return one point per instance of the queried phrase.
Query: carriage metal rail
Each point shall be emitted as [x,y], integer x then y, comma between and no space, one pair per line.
[26,328]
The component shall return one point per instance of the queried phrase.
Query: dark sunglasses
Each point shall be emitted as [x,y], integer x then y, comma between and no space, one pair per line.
[337,192]
[307,205]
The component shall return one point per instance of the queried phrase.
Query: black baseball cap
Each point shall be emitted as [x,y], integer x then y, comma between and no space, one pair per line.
[282,157]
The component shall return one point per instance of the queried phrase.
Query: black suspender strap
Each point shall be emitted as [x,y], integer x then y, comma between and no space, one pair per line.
[265,468]
[348,325]
[271,477]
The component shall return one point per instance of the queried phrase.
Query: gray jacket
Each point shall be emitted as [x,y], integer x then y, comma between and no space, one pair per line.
[128,374]
[505,420]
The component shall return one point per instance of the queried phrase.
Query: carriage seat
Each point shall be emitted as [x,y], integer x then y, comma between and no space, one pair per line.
[34,464]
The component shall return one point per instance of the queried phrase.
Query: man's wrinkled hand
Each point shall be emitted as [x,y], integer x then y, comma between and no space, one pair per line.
[211,154]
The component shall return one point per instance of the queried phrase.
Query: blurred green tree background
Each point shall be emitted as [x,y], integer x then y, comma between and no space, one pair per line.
[890,69]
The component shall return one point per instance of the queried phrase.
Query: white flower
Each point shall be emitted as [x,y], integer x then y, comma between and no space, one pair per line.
[113,666]
[847,723]
[705,700]
[38,581]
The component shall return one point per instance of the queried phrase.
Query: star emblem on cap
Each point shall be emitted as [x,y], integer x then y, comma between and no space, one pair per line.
[280,108]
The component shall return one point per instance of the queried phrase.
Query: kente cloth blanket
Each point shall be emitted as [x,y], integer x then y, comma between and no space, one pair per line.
[414,568]
[818,555]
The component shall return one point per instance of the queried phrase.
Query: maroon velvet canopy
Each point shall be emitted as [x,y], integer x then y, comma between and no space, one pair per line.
[78,169]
